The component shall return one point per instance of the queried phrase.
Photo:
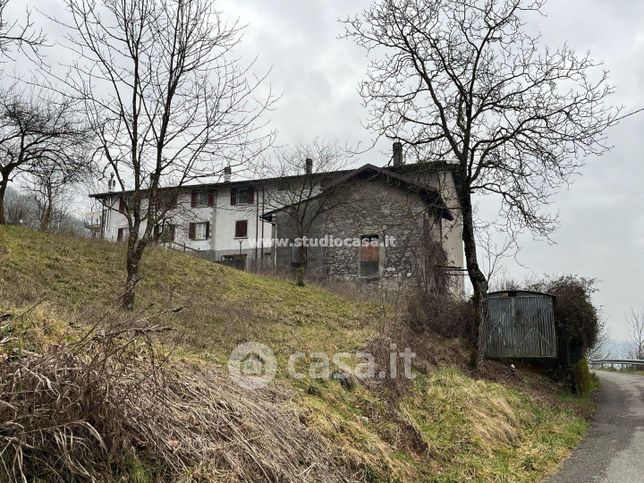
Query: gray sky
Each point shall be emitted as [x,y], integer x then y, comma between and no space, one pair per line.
[602,224]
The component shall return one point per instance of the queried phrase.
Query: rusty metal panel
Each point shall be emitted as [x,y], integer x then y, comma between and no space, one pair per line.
[520,324]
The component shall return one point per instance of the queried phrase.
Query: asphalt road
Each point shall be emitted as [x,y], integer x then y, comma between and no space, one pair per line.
[613,451]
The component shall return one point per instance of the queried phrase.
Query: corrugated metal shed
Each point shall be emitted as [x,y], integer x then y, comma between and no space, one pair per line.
[520,324]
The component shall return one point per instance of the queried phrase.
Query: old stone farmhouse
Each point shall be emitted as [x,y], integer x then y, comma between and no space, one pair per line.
[373,225]
[395,213]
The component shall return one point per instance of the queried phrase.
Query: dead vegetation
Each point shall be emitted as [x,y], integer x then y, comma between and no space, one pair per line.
[112,403]
[128,400]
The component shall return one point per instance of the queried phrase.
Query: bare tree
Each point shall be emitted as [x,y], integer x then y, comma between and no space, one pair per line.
[20,209]
[36,133]
[302,170]
[494,250]
[636,322]
[166,98]
[462,80]
[600,350]
[22,35]
[51,186]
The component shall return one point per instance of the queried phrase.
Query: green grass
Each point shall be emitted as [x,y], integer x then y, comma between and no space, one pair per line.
[484,431]
[223,307]
[446,426]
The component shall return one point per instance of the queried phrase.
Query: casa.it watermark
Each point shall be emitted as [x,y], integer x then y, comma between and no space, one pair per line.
[253,365]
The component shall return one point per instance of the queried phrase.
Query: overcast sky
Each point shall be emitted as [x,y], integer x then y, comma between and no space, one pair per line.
[602,222]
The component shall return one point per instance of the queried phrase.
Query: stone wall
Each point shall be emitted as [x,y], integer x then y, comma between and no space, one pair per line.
[367,207]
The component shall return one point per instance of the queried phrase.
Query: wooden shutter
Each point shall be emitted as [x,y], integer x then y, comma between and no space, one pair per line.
[369,256]
[193,199]
[192,230]
[211,199]
[251,196]
[233,196]
[241,229]
[207,230]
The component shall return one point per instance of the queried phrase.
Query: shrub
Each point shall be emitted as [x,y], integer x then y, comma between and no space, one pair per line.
[576,317]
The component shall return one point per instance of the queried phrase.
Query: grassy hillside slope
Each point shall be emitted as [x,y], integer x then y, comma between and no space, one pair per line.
[447,425]
[222,307]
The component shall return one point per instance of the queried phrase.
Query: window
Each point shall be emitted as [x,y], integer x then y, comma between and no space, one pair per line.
[122,234]
[369,256]
[199,231]
[244,195]
[241,229]
[201,198]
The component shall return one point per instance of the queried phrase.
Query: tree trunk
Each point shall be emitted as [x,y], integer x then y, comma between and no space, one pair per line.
[476,276]
[45,219]
[134,254]
[301,266]
[3,190]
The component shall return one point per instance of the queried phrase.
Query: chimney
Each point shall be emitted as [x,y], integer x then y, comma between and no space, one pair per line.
[111,183]
[227,173]
[308,166]
[398,154]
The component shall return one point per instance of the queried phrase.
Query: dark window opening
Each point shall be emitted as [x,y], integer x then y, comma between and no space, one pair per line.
[199,231]
[123,234]
[369,256]
[241,229]
[244,195]
[202,198]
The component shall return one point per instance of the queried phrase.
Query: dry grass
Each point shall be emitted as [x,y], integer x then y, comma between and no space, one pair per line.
[115,407]
[112,404]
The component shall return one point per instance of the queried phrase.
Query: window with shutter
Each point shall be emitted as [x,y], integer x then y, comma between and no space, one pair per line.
[199,231]
[201,198]
[369,256]
[242,196]
[241,229]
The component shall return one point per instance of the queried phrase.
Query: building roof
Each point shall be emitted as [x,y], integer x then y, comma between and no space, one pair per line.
[429,195]
[416,167]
